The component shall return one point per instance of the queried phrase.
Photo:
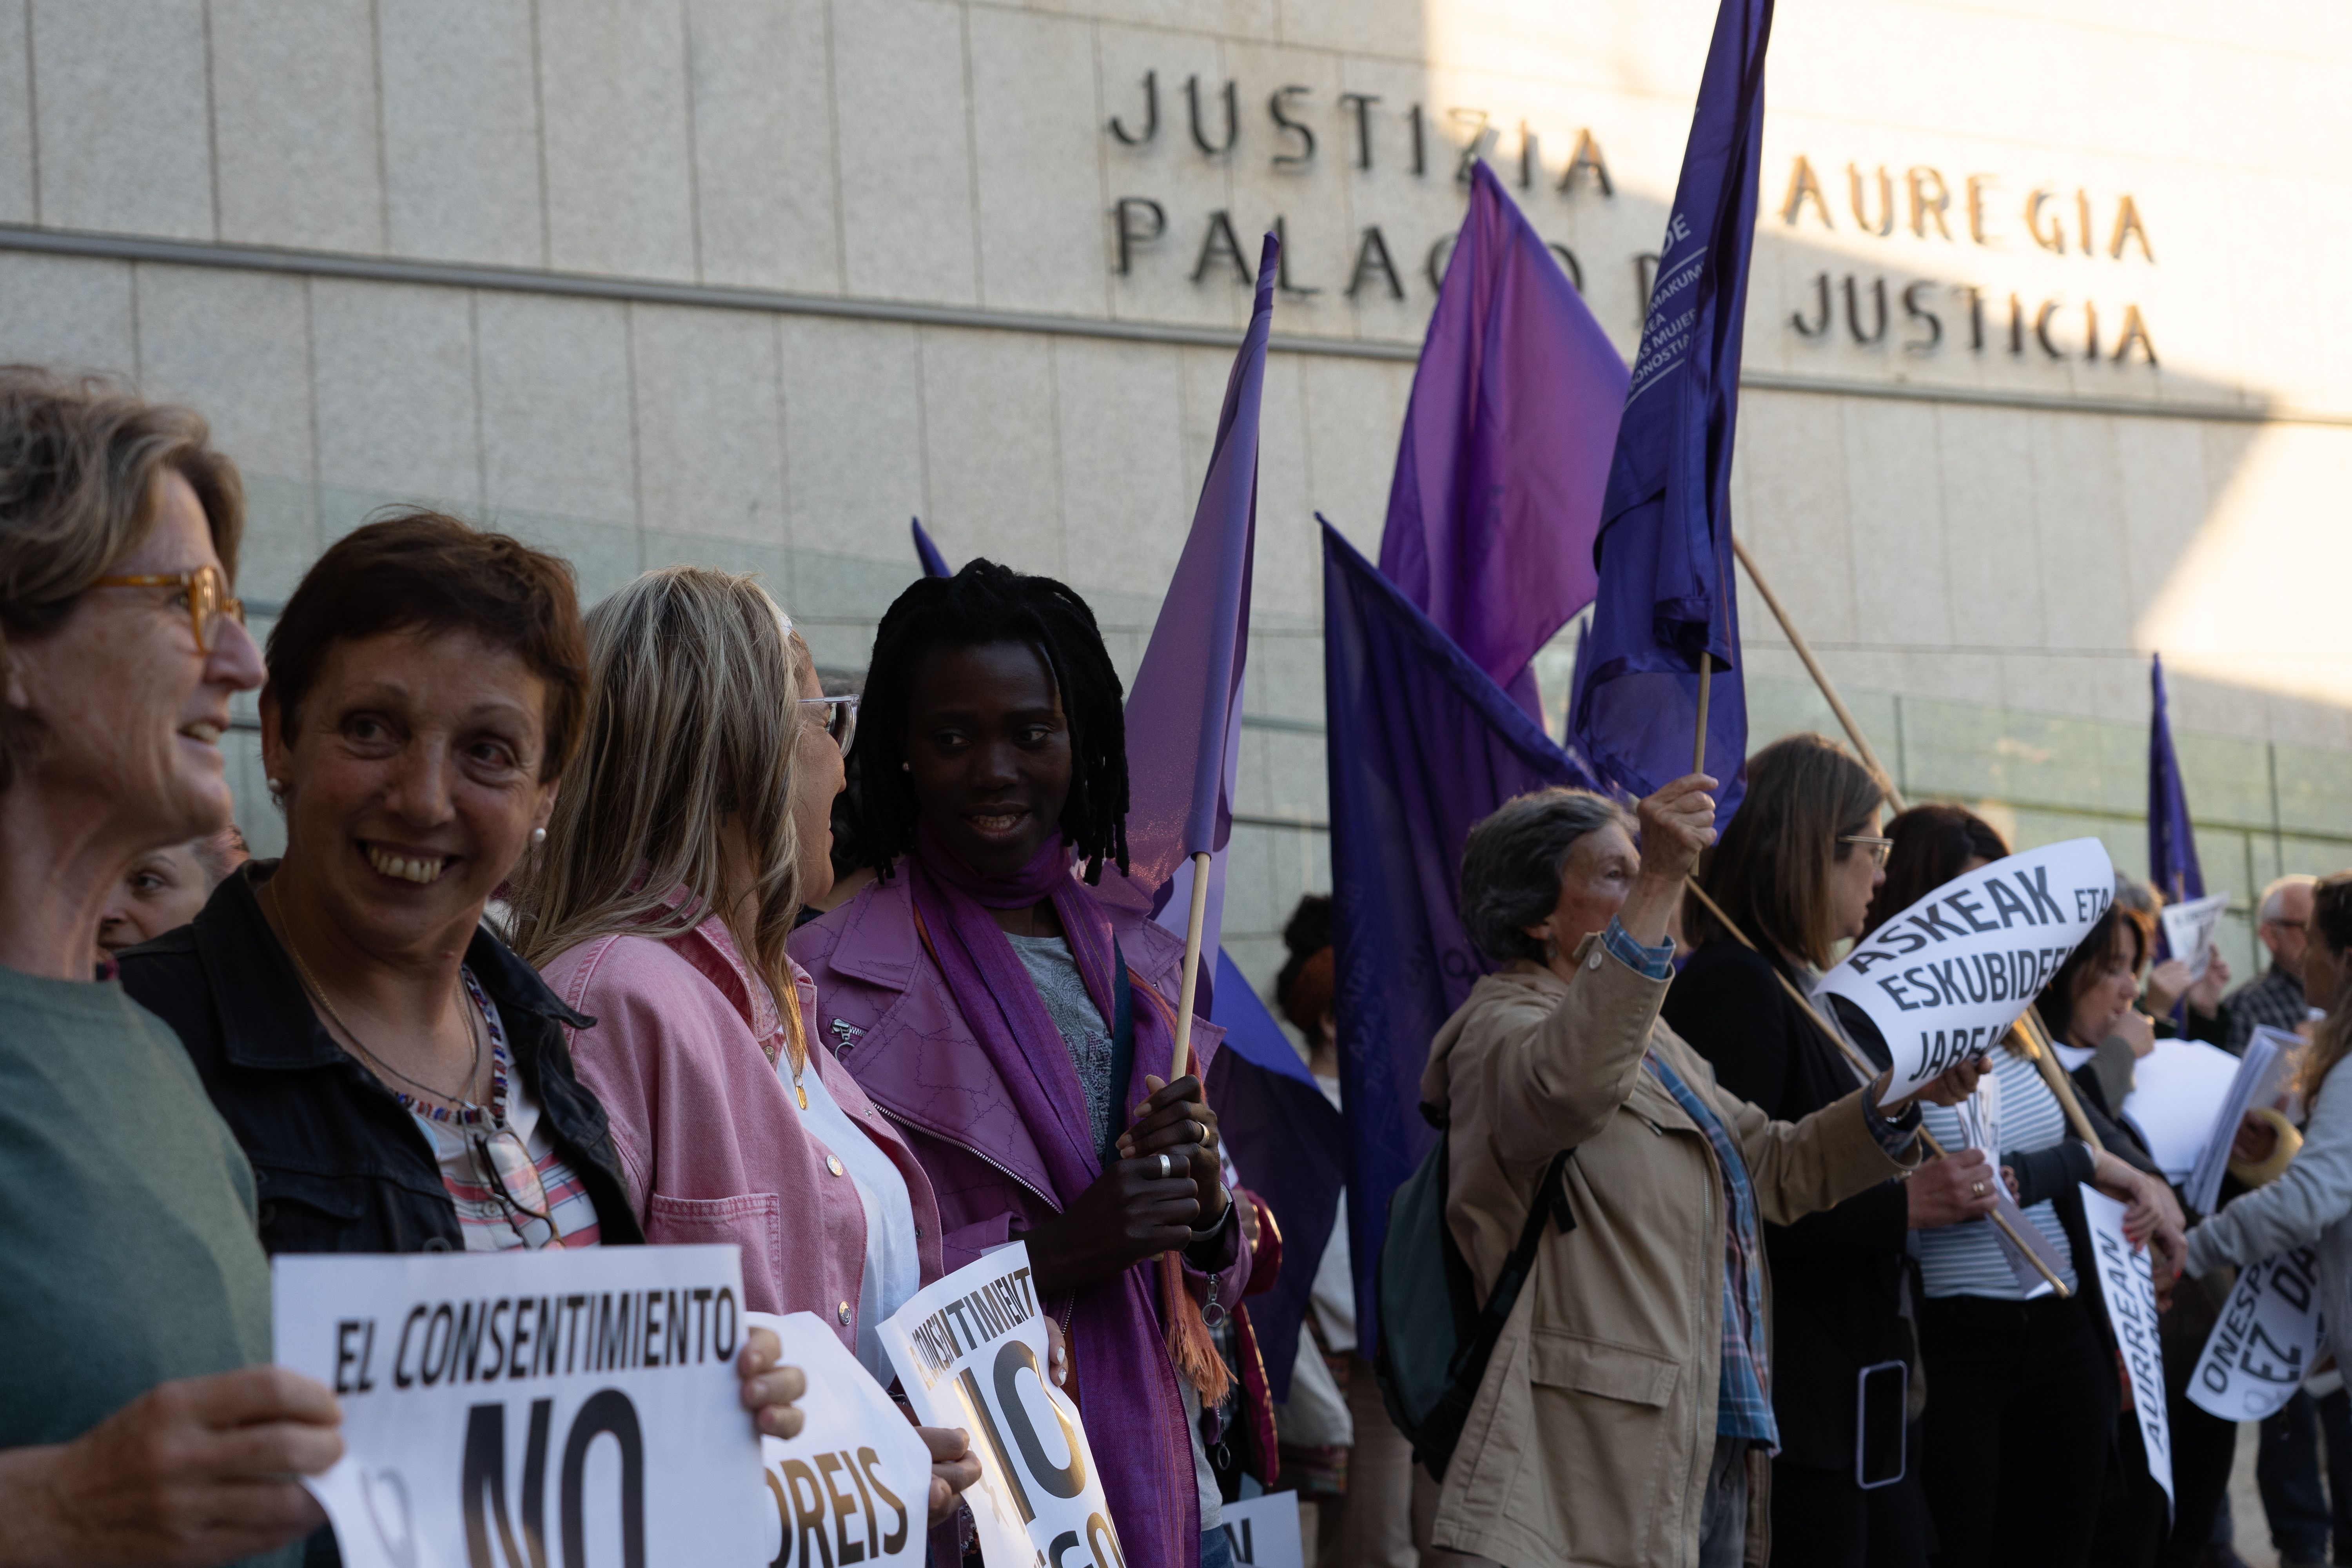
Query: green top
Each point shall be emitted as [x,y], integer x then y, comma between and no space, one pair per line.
[126,1214]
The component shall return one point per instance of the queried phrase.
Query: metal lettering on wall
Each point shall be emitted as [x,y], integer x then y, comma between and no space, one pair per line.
[1918,316]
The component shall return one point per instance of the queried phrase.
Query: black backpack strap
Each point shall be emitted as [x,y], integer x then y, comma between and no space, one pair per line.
[1550,1203]
[1434,1444]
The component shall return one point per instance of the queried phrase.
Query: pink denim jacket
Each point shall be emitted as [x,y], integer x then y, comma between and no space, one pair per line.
[711,1143]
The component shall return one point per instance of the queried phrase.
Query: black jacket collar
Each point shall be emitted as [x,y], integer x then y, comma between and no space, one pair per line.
[265,1016]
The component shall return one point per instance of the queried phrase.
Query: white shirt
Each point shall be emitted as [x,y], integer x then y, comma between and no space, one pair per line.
[894,1265]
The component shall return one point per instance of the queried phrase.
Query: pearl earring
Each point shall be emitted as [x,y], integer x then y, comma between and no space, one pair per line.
[538,836]
[906,767]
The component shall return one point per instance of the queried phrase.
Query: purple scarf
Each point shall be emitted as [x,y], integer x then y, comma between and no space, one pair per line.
[1134,1411]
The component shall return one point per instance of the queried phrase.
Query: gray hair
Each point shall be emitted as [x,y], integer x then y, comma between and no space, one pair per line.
[1511,865]
[2267,910]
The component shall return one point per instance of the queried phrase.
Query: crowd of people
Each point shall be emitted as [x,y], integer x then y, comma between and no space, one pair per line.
[564,949]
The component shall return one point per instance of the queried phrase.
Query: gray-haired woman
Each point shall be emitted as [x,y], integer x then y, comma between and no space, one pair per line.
[1625,1418]
[139,1419]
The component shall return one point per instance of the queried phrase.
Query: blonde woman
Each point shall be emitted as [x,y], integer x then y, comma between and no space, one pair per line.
[659,906]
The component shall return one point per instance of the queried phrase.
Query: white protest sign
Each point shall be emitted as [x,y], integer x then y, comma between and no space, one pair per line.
[1979,1122]
[854,1486]
[971,1352]
[2264,1079]
[2177,1093]
[2189,930]
[1947,977]
[529,1406]
[2269,1335]
[2130,1290]
[1264,1531]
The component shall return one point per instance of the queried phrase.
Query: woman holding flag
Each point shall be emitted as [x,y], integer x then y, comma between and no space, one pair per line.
[1019,1029]
[1624,1419]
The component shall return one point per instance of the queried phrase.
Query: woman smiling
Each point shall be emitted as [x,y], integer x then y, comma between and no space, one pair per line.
[1019,1030]
[139,1420]
[398,1078]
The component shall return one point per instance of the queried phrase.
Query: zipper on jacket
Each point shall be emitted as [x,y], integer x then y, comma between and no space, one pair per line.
[997,1165]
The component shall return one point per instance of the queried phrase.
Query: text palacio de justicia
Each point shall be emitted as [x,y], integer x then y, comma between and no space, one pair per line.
[1976,213]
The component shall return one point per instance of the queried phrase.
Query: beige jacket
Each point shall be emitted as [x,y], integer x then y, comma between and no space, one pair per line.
[1588,1442]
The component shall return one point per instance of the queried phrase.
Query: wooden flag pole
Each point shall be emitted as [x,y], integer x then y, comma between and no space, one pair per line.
[1698,742]
[1869,1071]
[1821,678]
[2026,1028]
[1199,917]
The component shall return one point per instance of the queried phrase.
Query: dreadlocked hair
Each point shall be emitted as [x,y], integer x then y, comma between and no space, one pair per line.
[985,603]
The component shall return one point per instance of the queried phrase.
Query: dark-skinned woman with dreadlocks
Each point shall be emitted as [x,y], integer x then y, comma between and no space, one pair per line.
[1020,1030]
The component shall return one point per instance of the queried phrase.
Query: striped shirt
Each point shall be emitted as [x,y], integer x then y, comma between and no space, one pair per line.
[1967,1259]
[488,1220]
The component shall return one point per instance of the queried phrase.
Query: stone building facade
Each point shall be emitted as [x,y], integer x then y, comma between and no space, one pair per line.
[2045,367]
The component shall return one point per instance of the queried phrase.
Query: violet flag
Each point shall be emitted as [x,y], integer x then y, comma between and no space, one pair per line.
[1423,746]
[1505,457]
[1289,1145]
[1667,598]
[2172,847]
[1184,708]
[2171,842]
[934,564]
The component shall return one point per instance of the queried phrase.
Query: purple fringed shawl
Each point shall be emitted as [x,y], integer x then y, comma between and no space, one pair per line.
[1128,1390]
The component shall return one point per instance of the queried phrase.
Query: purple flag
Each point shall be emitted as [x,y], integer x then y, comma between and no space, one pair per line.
[1667,599]
[1499,476]
[1184,709]
[934,564]
[1423,745]
[2171,844]
[2172,847]
[1289,1145]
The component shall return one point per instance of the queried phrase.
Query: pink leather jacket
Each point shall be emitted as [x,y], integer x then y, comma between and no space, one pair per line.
[683,1055]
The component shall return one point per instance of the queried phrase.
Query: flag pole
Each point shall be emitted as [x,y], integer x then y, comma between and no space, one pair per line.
[1869,1071]
[1193,922]
[1698,743]
[2028,1034]
[1821,678]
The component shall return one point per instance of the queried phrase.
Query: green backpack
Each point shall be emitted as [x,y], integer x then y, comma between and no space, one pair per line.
[1436,1336]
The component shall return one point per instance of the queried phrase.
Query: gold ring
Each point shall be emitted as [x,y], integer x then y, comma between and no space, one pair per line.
[1978,1188]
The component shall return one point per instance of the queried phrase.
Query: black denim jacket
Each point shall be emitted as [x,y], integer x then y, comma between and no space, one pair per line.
[338,1164]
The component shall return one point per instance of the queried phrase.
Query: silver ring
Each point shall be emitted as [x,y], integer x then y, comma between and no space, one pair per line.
[1167,1167]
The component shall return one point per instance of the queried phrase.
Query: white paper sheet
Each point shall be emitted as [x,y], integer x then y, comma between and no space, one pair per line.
[583,1404]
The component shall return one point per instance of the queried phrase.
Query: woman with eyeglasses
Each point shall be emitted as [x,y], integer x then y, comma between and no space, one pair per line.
[2023,1428]
[139,1419]
[398,1078]
[1795,871]
[672,875]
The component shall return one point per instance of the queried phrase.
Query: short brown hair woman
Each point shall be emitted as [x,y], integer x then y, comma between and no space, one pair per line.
[140,1421]
[398,1077]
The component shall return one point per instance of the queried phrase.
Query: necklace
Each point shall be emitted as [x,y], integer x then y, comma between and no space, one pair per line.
[465,1108]
[796,1043]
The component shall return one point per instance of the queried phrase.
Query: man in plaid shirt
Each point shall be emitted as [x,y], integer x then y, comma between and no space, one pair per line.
[2276,997]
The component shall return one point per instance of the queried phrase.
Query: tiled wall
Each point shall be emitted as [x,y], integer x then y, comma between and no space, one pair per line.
[1996,574]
